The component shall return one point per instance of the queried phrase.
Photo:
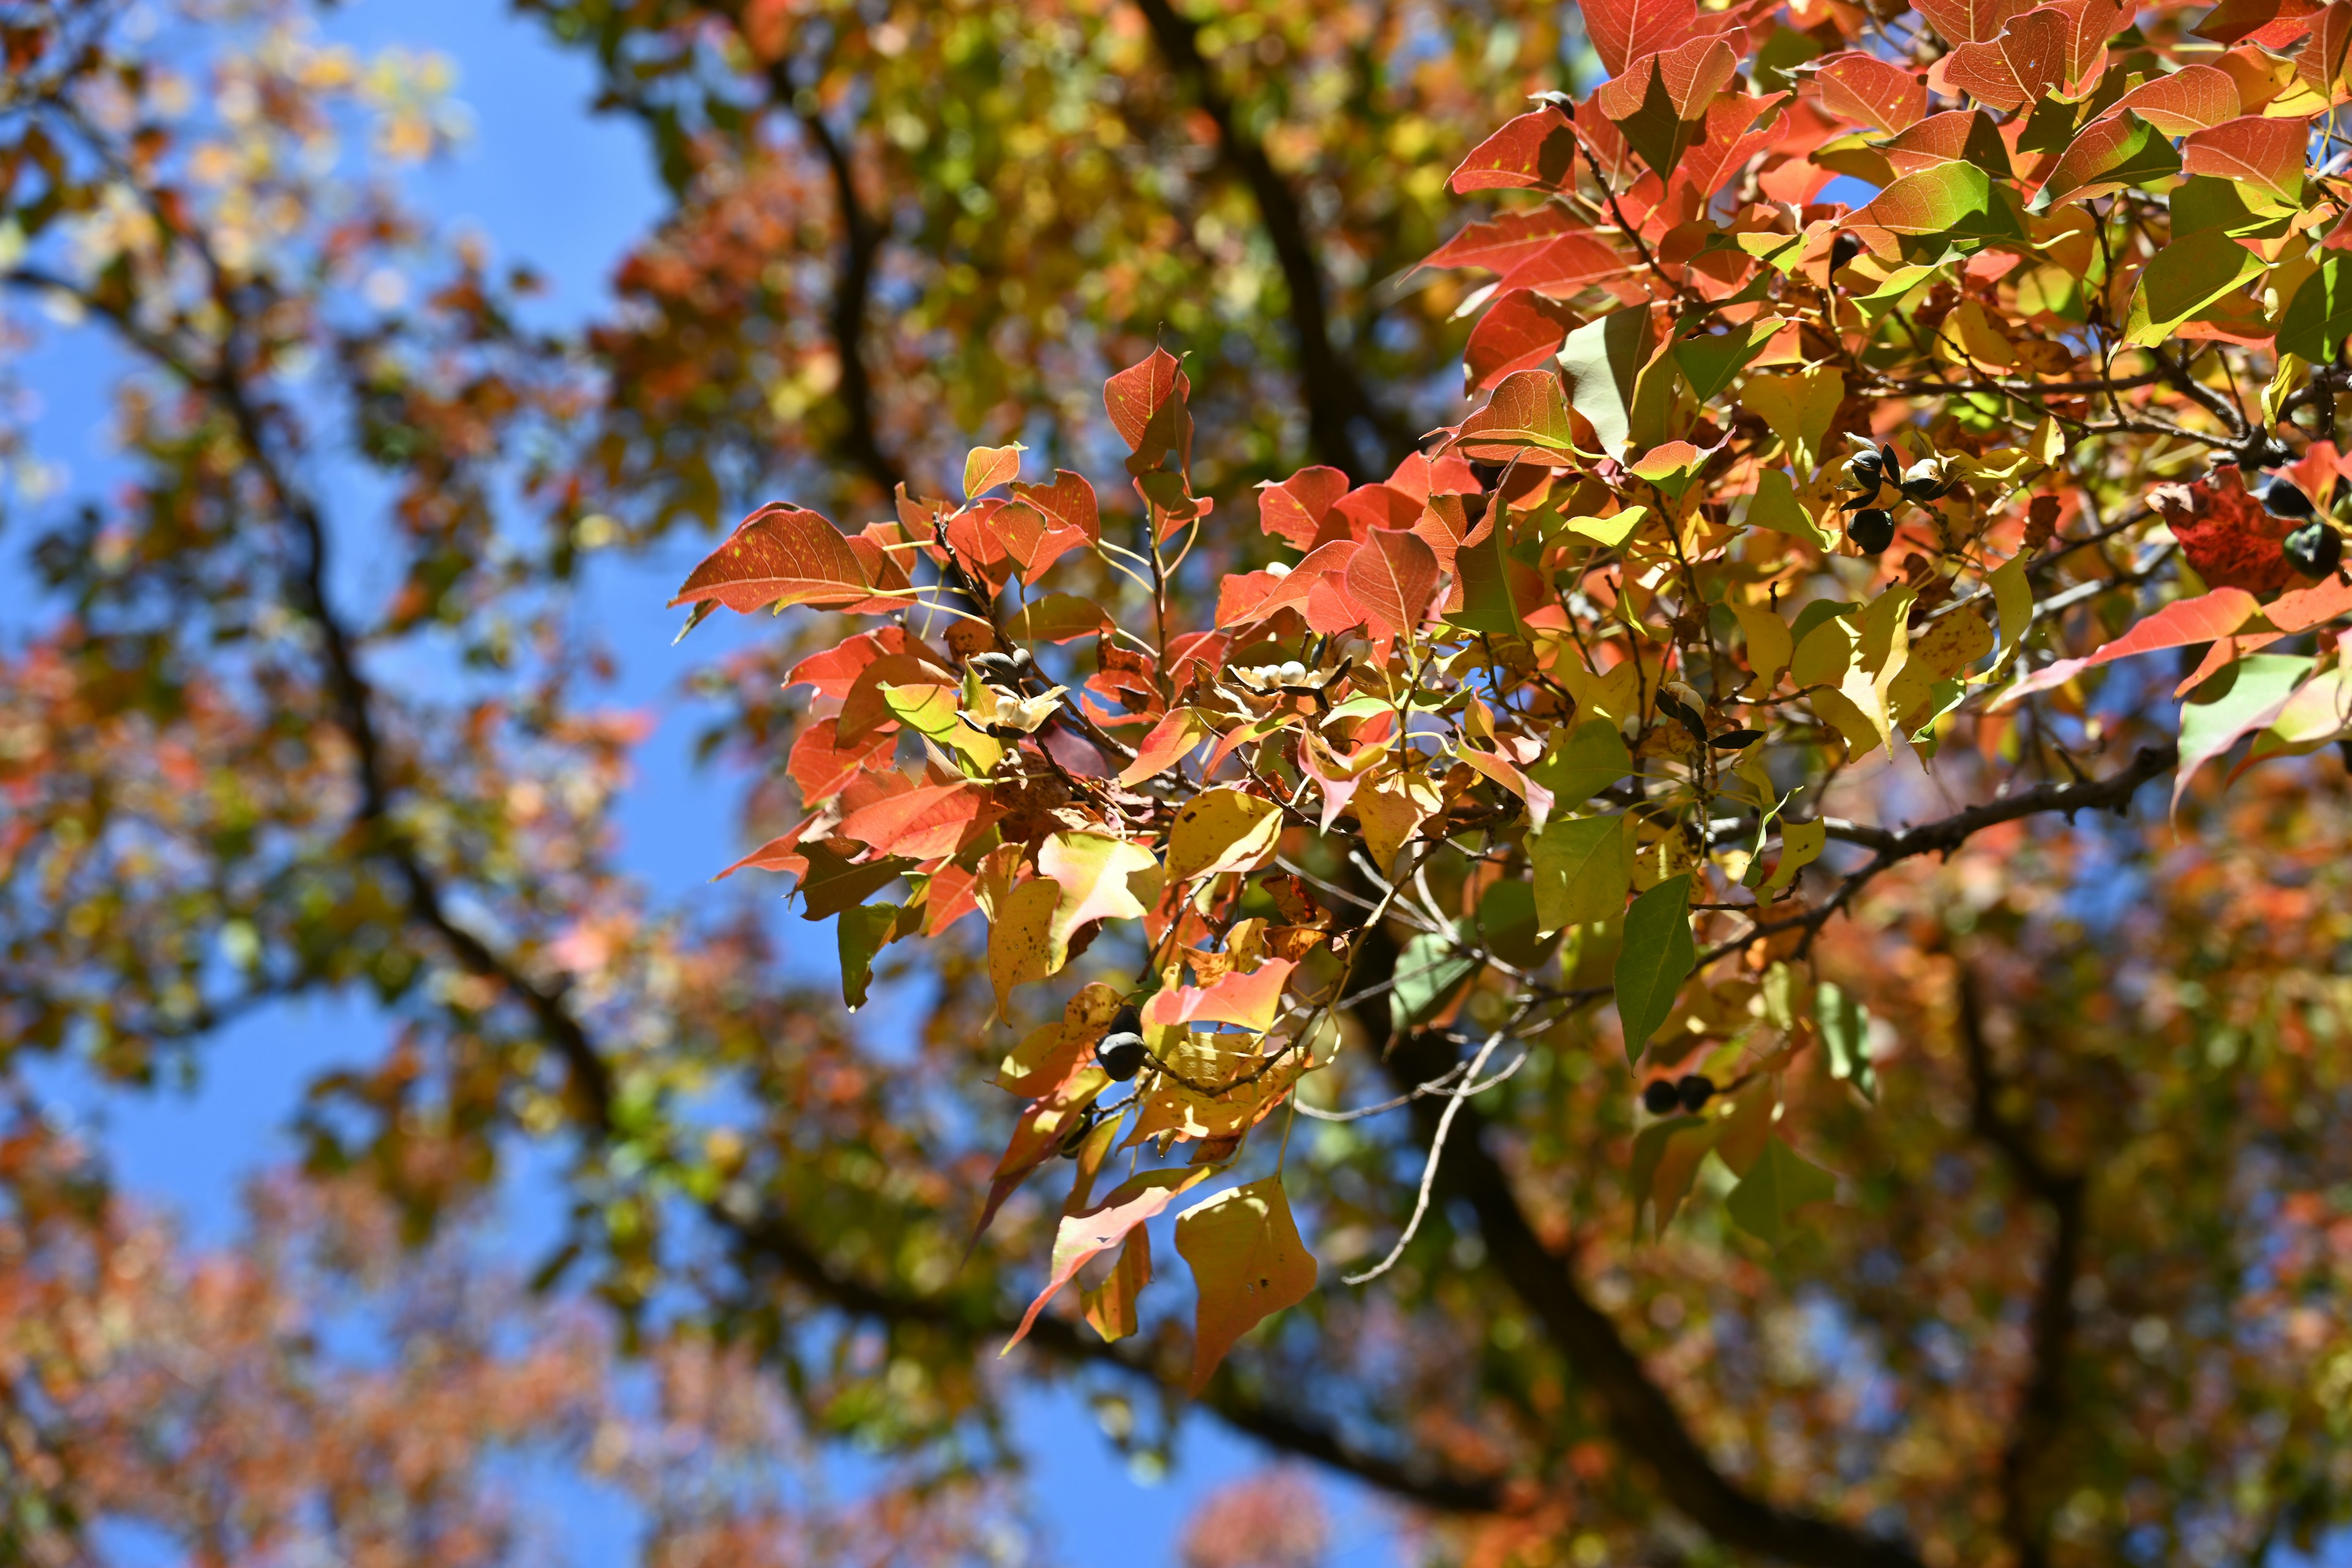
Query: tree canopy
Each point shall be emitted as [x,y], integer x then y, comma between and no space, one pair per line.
[1662,779]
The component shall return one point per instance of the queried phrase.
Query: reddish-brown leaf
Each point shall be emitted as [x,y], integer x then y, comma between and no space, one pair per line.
[1067,503]
[1532,152]
[832,671]
[2252,150]
[1519,329]
[933,819]
[1624,31]
[1504,241]
[1982,71]
[2268,23]
[1391,580]
[1294,510]
[2320,63]
[1962,136]
[2192,98]
[1969,21]
[1146,404]
[985,468]
[778,555]
[821,765]
[1865,88]
[2225,533]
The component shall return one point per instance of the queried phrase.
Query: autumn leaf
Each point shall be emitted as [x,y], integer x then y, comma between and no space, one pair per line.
[1248,1264]
[1658,954]
[778,555]
[1221,830]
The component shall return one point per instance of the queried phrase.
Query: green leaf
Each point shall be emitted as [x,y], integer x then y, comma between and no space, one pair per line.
[1658,955]
[1506,923]
[1710,360]
[1587,761]
[832,884]
[863,932]
[1599,364]
[1584,870]
[1845,1029]
[2258,686]
[1429,969]
[1954,200]
[1780,1182]
[2185,277]
[1488,603]
[2320,315]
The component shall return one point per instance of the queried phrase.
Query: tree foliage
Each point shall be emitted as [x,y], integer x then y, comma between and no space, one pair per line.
[1625,941]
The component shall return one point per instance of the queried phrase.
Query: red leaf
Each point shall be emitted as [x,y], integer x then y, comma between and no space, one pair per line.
[1391,580]
[930,820]
[2268,23]
[2192,98]
[2225,533]
[1255,595]
[1623,31]
[1531,153]
[832,671]
[1568,264]
[1508,238]
[1294,510]
[821,765]
[778,555]
[1368,507]
[1146,404]
[1520,331]
[1067,503]
[1969,21]
[1983,72]
[1866,87]
[1422,475]
[2259,151]
[1962,136]
[1180,730]
[2321,63]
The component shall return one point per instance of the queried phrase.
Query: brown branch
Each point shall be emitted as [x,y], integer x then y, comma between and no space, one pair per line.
[861,242]
[770,1239]
[1639,1413]
[1337,398]
[2042,1405]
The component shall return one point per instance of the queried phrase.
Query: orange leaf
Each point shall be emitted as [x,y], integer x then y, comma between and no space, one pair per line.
[988,467]
[2252,150]
[1532,152]
[778,555]
[1085,1236]
[1250,1001]
[2192,98]
[1863,87]
[1391,580]
[1624,31]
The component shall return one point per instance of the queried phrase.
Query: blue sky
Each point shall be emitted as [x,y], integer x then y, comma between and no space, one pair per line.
[549,183]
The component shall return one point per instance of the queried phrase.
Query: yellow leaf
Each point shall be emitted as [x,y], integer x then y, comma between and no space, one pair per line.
[1800,844]
[1825,655]
[1248,1264]
[2012,595]
[1092,871]
[1798,408]
[1391,810]
[1021,946]
[1769,647]
[1222,830]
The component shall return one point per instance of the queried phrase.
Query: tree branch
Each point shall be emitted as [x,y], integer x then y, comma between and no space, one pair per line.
[1337,398]
[1639,1413]
[861,241]
[2041,1406]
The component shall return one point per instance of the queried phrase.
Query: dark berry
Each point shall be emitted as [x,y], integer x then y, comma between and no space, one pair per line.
[993,667]
[1843,249]
[2283,498]
[1659,1097]
[1872,530]
[1127,1021]
[1694,1091]
[1737,739]
[2314,550]
[1121,1055]
[1863,470]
